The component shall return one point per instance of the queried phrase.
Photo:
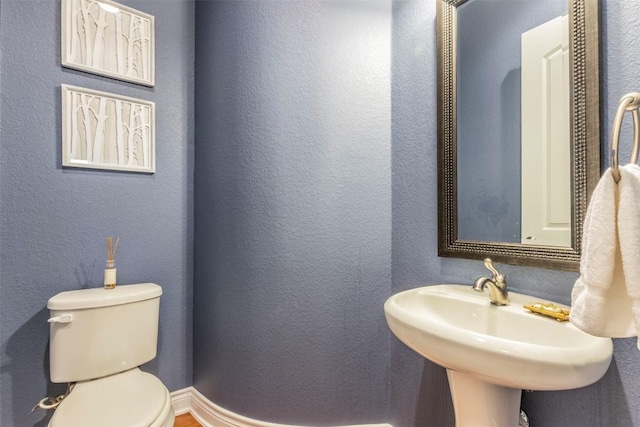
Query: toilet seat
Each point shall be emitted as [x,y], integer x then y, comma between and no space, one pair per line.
[132,398]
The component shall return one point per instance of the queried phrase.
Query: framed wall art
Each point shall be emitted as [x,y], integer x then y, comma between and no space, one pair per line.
[102,130]
[109,39]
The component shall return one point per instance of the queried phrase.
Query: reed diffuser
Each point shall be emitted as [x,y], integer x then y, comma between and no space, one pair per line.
[110,271]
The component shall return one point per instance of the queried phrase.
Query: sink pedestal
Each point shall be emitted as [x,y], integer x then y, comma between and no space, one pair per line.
[479,404]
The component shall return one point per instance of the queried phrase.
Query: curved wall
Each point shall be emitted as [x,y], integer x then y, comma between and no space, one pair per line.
[293,209]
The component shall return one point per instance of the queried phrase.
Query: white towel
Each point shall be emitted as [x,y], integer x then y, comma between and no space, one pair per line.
[629,237]
[600,304]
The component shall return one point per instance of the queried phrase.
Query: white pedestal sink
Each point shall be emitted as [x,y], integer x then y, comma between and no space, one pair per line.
[493,352]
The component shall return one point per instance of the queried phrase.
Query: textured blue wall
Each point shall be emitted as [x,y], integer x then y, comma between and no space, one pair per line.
[54,221]
[293,209]
[419,391]
[295,253]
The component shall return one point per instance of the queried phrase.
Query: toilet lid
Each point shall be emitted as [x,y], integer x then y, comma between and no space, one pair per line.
[132,398]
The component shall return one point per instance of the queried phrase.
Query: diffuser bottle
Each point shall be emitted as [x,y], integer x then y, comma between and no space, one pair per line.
[110,271]
[110,275]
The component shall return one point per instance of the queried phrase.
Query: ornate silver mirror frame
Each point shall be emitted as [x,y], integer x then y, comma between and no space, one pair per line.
[585,142]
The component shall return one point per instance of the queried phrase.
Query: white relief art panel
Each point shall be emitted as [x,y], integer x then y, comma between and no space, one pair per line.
[107,38]
[102,130]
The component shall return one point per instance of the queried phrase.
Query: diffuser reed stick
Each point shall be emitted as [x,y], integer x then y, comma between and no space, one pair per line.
[111,248]
[110,271]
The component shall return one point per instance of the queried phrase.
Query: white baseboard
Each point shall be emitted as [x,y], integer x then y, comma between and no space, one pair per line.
[181,400]
[211,415]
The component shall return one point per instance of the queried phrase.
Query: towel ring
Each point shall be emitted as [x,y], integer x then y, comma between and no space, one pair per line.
[629,102]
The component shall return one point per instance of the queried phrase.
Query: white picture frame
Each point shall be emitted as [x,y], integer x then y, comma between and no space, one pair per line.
[102,130]
[109,39]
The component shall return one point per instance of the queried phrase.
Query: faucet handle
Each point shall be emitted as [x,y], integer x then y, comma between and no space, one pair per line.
[497,276]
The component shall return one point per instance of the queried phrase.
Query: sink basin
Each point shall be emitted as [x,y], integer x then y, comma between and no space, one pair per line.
[506,347]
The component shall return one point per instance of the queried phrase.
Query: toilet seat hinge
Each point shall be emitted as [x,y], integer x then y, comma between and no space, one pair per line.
[50,402]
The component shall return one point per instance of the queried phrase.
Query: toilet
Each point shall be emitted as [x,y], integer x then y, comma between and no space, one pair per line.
[98,338]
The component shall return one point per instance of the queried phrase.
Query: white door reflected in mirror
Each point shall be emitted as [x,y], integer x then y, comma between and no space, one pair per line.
[546,135]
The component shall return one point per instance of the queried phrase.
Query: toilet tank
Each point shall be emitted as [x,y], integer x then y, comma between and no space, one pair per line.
[99,332]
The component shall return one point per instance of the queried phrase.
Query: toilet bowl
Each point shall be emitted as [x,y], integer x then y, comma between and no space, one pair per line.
[129,399]
[98,338]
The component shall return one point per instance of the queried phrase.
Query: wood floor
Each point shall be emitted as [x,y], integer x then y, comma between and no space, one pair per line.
[186,420]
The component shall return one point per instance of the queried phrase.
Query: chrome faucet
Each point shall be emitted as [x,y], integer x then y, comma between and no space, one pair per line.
[497,285]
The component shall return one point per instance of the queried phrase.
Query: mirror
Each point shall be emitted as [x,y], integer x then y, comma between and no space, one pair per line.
[518,128]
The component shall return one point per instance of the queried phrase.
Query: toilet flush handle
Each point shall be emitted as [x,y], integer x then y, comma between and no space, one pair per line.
[63,318]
